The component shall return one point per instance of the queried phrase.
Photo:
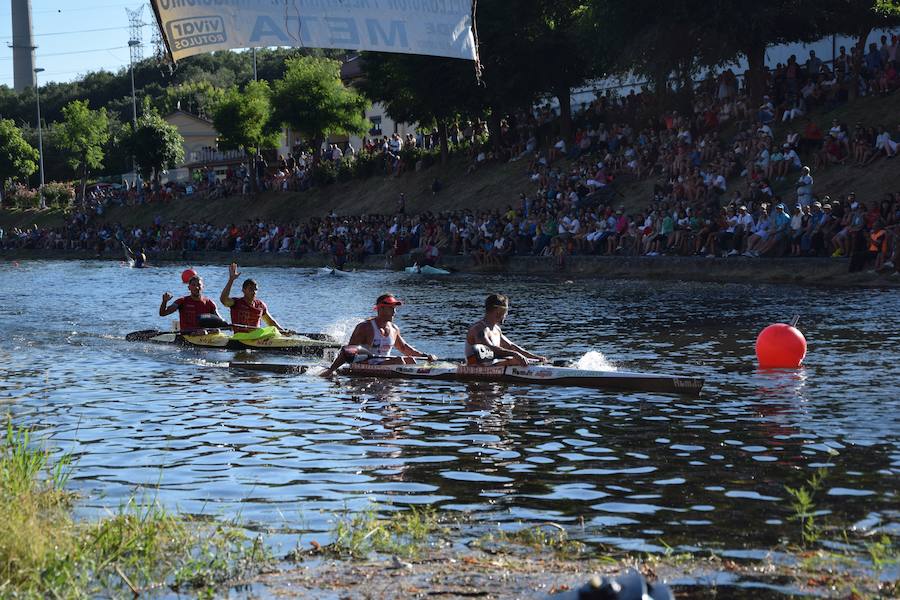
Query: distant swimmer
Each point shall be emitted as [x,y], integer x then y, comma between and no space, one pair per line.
[248,310]
[137,259]
[374,340]
[189,307]
[485,343]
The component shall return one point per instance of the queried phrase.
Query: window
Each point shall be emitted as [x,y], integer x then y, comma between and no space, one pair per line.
[376,125]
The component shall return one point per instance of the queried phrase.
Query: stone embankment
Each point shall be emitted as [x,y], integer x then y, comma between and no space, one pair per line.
[797,271]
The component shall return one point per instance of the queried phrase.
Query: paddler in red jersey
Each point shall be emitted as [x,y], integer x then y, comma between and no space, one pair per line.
[374,340]
[485,343]
[248,310]
[189,307]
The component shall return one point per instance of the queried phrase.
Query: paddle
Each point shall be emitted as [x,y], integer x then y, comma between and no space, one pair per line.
[211,321]
[148,334]
[269,367]
[285,369]
[556,362]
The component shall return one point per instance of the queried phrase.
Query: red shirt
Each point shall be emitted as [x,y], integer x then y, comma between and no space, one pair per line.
[190,309]
[247,314]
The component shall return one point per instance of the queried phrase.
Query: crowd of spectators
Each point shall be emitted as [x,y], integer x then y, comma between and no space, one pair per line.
[723,183]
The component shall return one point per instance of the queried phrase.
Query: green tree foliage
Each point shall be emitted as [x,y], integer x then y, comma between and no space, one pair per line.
[312,100]
[559,38]
[196,97]
[18,158]
[155,144]
[857,18]
[244,120]
[421,89]
[84,134]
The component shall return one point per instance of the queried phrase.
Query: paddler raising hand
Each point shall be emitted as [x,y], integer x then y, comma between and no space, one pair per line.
[485,343]
[374,340]
[189,307]
[247,310]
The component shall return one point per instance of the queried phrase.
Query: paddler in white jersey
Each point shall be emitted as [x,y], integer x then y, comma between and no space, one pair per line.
[374,340]
[485,343]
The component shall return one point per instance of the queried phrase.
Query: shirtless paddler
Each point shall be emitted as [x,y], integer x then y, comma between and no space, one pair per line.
[485,343]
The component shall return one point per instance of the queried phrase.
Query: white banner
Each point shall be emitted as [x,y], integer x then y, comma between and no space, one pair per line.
[432,27]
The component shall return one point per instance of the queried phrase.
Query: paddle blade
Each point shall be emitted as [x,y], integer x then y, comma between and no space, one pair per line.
[143,335]
[210,321]
[269,367]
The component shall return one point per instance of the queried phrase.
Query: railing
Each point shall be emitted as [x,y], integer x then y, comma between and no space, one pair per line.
[212,155]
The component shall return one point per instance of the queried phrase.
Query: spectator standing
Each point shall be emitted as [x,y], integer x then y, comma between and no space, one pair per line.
[804,187]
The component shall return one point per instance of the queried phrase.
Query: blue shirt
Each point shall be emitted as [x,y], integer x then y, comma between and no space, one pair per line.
[780,221]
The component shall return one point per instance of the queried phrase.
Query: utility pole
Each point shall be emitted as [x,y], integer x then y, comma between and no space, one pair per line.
[135,54]
[37,95]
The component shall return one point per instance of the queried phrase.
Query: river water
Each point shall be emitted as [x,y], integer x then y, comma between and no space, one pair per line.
[634,471]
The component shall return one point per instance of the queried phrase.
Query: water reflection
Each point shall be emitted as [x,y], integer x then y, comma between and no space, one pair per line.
[287,452]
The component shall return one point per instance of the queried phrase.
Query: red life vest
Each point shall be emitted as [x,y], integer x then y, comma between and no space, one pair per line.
[246,316]
[190,309]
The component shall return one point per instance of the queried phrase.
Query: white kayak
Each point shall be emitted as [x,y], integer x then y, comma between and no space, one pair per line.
[536,374]
[333,271]
[426,270]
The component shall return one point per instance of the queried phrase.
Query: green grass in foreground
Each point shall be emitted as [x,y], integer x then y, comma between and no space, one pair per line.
[45,553]
[408,533]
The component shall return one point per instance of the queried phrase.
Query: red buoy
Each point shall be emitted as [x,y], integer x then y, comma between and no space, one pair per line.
[187,275]
[780,346]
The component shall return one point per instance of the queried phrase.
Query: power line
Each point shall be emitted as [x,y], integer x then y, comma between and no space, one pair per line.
[9,37]
[47,74]
[73,52]
[83,8]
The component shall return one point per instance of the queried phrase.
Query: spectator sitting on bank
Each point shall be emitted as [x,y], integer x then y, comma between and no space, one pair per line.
[884,145]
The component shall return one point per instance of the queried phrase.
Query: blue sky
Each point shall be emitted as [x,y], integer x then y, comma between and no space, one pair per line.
[76,36]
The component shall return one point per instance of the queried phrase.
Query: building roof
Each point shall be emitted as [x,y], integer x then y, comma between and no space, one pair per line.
[179,112]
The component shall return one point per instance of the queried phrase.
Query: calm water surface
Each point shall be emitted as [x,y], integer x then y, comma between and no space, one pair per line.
[635,471]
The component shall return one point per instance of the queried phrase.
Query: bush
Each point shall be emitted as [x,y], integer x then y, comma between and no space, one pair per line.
[411,156]
[22,197]
[345,171]
[325,173]
[368,164]
[59,194]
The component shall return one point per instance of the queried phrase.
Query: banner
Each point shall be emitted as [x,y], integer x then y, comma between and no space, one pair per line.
[432,27]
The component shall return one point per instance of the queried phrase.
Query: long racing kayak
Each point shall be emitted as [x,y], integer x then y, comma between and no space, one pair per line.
[313,344]
[536,374]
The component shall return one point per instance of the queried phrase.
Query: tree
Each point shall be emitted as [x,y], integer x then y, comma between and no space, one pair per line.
[155,144]
[196,97]
[84,133]
[18,159]
[858,18]
[559,40]
[244,121]
[421,89]
[312,100]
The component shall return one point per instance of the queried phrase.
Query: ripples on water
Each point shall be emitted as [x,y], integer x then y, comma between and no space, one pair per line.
[636,471]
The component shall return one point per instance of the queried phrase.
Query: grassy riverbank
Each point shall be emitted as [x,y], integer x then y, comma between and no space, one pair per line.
[493,186]
[140,549]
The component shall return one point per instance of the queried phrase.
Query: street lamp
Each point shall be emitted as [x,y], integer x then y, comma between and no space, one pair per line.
[37,94]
